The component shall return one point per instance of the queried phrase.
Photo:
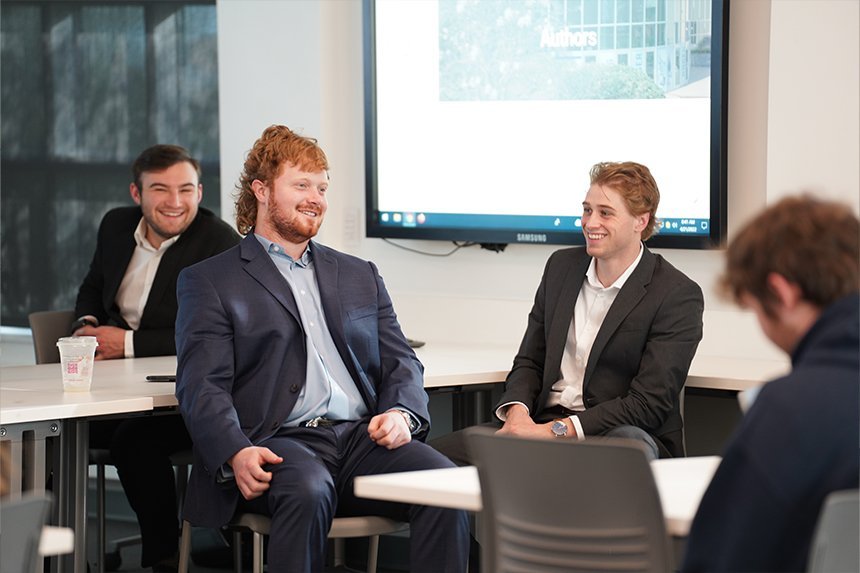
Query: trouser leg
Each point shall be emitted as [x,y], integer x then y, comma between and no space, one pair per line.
[439,537]
[301,500]
[637,433]
[141,450]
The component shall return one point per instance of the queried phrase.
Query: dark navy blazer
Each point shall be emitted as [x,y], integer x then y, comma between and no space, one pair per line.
[798,442]
[242,358]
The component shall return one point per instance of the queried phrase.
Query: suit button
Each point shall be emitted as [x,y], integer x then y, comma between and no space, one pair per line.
[294,388]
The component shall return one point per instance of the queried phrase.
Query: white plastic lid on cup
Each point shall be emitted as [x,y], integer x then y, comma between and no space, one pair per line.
[78,341]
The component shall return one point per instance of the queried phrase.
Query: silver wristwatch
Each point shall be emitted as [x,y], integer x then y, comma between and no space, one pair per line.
[559,428]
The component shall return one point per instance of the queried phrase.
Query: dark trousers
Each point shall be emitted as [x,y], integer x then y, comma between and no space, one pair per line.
[315,482]
[140,449]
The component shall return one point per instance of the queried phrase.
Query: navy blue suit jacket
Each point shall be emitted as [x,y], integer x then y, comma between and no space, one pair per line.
[242,358]
[796,444]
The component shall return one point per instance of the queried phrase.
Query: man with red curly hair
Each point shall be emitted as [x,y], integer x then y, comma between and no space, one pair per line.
[294,376]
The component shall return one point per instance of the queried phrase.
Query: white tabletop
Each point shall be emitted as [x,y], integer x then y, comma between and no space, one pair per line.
[681,483]
[35,393]
[448,364]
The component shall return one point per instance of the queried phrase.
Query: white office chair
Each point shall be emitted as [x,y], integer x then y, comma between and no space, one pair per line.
[371,526]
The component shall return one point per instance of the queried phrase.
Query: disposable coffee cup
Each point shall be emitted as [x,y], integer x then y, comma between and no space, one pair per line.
[77,354]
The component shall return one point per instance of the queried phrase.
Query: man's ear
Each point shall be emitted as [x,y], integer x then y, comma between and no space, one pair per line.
[260,190]
[134,191]
[787,293]
[199,192]
[642,221]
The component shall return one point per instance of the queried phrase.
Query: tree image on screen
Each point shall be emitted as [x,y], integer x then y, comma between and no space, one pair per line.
[568,50]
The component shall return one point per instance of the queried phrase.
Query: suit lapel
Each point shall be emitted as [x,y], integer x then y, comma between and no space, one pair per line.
[628,297]
[168,268]
[328,280]
[326,268]
[562,314]
[116,264]
[263,270]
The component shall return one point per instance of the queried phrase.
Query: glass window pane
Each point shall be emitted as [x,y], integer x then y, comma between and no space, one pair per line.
[637,10]
[622,11]
[638,36]
[607,11]
[622,37]
[590,12]
[650,10]
[607,38]
[86,86]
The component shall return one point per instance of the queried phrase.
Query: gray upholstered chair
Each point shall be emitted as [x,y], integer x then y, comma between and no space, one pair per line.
[560,505]
[47,326]
[836,543]
[21,522]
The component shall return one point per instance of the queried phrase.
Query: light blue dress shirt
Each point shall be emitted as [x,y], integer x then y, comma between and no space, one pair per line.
[329,390]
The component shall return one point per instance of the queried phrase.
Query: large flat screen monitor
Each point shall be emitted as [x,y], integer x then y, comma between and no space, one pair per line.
[484,117]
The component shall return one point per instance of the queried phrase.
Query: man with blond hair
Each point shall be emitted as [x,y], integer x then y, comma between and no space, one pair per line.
[612,331]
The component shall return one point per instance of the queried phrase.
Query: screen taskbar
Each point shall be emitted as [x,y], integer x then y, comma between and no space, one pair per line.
[531,223]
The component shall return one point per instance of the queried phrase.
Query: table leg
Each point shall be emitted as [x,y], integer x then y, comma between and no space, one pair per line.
[71,487]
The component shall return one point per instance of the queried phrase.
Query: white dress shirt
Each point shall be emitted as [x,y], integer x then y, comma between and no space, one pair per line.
[592,306]
[134,289]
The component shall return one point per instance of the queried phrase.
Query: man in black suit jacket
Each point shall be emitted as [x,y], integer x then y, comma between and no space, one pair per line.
[612,331]
[128,302]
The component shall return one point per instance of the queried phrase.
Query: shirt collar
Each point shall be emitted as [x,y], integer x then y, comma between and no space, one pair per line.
[142,242]
[274,249]
[591,273]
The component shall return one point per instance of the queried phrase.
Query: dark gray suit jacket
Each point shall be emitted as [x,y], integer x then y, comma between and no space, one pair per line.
[641,355]
[242,358]
[207,235]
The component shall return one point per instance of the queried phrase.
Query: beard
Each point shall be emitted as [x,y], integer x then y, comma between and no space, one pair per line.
[295,227]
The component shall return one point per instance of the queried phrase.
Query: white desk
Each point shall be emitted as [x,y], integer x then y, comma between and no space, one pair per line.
[449,364]
[34,408]
[32,403]
[681,483]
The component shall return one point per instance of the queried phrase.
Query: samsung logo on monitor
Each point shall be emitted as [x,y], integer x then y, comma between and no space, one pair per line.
[531,238]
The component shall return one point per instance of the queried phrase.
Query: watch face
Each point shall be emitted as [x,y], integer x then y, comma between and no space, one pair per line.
[559,428]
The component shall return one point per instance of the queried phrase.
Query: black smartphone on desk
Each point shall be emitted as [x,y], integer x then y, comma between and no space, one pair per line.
[161,378]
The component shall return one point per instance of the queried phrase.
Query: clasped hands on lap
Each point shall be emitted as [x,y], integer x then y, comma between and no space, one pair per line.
[388,430]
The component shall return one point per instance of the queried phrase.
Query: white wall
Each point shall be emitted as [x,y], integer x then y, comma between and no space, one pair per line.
[300,63]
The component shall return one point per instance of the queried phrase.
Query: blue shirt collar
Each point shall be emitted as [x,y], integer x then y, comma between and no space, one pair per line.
[274,249]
